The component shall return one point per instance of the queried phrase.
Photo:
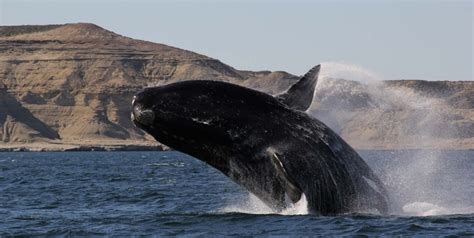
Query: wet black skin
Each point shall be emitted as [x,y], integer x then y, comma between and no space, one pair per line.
[242,132]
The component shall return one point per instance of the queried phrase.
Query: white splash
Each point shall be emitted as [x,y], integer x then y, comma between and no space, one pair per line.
[430,209]
[424,209]
[412,181]
[298,208]
[342,70]
[253,205]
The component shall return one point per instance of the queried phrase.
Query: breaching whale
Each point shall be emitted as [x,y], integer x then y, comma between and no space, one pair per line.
[267,144]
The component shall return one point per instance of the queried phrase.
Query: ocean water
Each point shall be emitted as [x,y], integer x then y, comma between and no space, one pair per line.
[168,193]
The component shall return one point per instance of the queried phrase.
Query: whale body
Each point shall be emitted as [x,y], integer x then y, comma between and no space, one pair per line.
[267,144]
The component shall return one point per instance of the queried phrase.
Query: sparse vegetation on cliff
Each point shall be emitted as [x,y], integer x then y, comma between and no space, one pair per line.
[25,29]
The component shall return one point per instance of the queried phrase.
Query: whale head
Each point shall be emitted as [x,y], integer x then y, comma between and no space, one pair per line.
[192,115]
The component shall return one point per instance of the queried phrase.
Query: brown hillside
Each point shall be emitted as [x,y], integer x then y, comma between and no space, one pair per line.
[77,80]
[72,84]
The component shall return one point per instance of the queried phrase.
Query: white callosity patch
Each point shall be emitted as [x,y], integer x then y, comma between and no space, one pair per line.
[132,117]
[145,117]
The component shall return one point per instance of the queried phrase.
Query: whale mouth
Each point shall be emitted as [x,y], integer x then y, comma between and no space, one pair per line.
[144,117]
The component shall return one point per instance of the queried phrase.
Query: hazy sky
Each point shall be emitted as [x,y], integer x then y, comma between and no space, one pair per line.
[396,39]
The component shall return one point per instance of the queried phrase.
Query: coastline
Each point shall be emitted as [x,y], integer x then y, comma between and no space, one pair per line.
[140,146]
[66,147]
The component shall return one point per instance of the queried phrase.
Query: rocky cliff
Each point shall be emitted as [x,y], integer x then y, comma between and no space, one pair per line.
[72,84]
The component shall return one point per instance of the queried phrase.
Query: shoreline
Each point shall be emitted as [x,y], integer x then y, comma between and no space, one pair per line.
[71,147]
[85,148]
[158,147]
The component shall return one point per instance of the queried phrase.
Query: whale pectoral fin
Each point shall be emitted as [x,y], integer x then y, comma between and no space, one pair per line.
[291,189]
[300,95]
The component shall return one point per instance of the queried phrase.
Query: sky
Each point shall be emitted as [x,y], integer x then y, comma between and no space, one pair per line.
[422,39]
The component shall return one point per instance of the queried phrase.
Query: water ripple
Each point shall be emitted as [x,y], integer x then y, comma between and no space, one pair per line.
[170,194]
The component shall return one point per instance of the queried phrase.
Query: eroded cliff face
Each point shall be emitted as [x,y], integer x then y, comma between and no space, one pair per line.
[73,84]
[76,81]
[19,124]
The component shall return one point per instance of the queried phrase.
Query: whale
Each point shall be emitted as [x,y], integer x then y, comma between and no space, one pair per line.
[267,144]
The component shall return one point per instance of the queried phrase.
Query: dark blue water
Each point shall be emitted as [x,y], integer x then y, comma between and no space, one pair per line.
[168,193]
